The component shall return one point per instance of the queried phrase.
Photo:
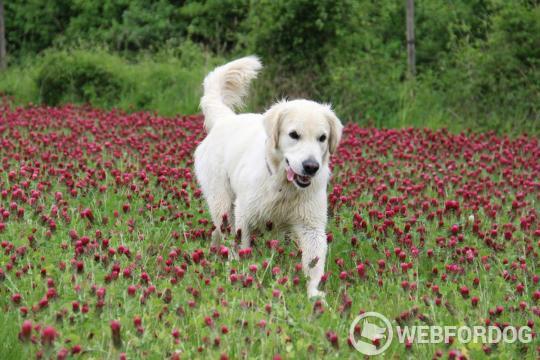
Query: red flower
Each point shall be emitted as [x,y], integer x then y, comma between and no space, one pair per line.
[48,335]
[116,333]
[26,330]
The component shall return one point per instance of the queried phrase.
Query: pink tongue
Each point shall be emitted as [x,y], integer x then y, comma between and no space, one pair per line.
[290,174]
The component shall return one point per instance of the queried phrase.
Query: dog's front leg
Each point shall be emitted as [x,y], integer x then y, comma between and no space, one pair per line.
[244,236]
[313,244]
[242,228]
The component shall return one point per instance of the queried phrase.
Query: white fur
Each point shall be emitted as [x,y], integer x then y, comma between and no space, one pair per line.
[242,164]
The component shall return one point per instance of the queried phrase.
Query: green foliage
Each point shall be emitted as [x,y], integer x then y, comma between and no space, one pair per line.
[215,23]
[477,67]
[477,61]
[18,83]
[168,82]
[363,77]
[78,77]
[293,39]
[32,25]
[295,34]
[125,25]
[494,81]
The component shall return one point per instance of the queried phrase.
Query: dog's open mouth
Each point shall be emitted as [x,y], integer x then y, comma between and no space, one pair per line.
[300,180]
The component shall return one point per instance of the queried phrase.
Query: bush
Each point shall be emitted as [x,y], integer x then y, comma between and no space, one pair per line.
[168,81]
[78,77]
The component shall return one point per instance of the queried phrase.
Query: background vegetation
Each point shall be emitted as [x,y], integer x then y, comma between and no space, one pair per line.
[477,61]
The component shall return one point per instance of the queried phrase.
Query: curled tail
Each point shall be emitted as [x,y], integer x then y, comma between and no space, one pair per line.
[225,87]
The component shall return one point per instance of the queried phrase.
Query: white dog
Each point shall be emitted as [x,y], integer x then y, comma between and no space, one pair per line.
[255,168]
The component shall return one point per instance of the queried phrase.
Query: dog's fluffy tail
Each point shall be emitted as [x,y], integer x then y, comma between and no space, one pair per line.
[225,87]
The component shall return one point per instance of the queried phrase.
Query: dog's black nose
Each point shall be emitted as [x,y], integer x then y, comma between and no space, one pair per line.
[310,166]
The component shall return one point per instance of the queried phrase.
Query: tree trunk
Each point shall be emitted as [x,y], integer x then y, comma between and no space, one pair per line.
[411,55]
[3,58]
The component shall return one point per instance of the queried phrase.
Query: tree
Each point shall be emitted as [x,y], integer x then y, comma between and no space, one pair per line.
[3,59]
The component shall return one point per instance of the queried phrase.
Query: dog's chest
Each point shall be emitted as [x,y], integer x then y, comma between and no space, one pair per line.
[280,206]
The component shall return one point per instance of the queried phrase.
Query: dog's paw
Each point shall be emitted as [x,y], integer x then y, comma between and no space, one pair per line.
[233,255]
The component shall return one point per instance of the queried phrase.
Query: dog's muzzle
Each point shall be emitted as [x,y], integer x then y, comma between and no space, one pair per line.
[301,181]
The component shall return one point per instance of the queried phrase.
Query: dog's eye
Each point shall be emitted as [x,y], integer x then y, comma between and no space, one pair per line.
[322,138]
[294,135]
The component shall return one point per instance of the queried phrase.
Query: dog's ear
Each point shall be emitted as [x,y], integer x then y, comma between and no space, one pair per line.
[272,119]
[335,131]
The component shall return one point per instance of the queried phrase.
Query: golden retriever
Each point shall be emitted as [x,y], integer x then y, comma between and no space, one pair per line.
[256,168]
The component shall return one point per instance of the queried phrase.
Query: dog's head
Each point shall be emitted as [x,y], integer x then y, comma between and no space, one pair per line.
[302,135]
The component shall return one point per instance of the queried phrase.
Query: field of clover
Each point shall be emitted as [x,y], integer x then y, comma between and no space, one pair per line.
[105,244]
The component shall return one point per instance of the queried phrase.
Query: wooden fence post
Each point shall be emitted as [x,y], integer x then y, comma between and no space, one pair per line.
[411,55]
[3,58]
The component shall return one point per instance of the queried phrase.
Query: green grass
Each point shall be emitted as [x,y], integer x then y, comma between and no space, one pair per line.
[10,346]
[156,226]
